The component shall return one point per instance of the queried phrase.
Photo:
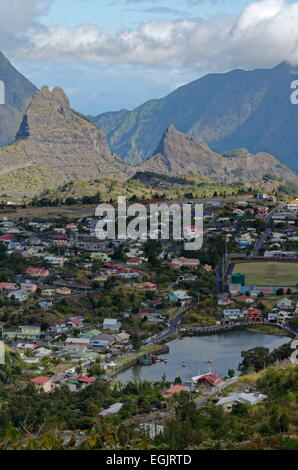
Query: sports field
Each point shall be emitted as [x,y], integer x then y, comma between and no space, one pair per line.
[270,274]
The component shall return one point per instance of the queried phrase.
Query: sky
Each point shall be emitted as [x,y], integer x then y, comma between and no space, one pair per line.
[115,54]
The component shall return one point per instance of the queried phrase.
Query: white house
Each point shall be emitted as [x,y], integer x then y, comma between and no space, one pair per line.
[245,398]
[111,324]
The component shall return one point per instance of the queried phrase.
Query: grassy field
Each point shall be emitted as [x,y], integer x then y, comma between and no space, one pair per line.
[269,273]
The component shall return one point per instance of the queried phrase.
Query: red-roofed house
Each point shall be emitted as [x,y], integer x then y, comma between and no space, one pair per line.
[254,315]
[86,380]
[8,286]
[37,272]
[175,389]
[245,298]
[211,379]
[136,261]
[43,383]
[6,238]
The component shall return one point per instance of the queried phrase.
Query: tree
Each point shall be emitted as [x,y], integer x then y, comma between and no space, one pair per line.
[255,359]
[136,342]
[152,249]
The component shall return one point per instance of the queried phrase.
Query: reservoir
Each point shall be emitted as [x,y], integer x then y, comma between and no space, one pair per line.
[223,348]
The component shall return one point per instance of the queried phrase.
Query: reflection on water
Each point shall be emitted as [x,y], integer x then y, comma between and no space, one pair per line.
[223,348]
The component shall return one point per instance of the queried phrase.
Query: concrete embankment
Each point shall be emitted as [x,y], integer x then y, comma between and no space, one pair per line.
[133,359]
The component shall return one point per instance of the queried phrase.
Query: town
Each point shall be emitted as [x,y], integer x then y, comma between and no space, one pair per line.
[77,310]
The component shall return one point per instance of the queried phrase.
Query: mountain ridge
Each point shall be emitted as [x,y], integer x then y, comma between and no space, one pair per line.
[179,154]
[235,109]
[56,141]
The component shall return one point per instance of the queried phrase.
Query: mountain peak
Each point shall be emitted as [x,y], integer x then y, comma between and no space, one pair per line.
[54,140]
[56,97]
[171,129]
[179,154]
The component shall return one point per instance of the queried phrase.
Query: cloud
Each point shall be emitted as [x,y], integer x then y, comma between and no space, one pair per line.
[19,19]
[160,10]
[264,34]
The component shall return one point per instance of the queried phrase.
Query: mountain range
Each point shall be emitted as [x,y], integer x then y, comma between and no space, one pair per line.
[50,145]
[250,109]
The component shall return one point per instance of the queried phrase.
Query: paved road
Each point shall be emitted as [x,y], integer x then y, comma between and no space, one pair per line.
[260,243]
[172,328]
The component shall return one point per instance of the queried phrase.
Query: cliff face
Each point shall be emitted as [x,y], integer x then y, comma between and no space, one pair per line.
[55,139]
[179,154]
[18,93]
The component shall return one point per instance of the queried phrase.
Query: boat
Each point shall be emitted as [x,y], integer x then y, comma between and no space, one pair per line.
[183,364]
[146,360]
[209,361]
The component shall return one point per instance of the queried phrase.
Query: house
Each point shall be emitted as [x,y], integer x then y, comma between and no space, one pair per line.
[212,379]
[26,346]
[135,261]
[111,324]
[72,226]
[238,212]
[112,410]
[100,257]
[46,304]
[246,299]
[235,289]
[63,290]
[55,260]
[48,292]
[293,205]
[272,317]
[18,295]
[90,334]
[42,383]
[102,341]
[60,327]
[8,286]
[75,322]
[122,338]
[42,352]
[224,301]
[188,277]
[285,304]
[207,268]
[37,272]
[28,287]
[181,297]
[175,389]
[30,330]
[60,230]
[245,398]
[146,286]
[81,342]
[253,315]
[6,239]
[83,380]
[232,315]
[185,262]
[285,316]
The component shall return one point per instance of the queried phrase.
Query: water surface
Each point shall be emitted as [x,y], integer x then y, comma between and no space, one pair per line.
[223,348]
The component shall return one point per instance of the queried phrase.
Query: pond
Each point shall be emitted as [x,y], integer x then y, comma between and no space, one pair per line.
[223,348]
